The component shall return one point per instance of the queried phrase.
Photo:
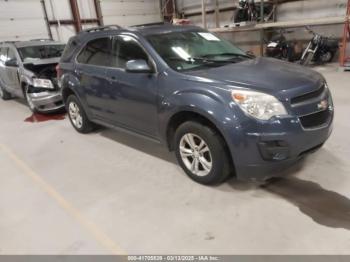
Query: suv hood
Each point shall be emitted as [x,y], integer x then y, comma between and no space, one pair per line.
[263,74]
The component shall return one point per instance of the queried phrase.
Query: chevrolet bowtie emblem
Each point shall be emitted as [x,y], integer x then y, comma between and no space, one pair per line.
[323,105]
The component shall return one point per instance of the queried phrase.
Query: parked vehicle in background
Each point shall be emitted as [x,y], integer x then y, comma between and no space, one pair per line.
[28,70]
[220,110]
[279,47]
[320,49]
[249,11]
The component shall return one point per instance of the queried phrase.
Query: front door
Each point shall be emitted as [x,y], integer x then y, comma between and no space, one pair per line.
[134,95]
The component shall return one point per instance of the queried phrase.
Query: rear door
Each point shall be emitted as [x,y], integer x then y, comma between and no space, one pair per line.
[91,66]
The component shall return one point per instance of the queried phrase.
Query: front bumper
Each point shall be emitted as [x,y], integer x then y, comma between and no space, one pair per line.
[262,151]
[47,101]
[268,155]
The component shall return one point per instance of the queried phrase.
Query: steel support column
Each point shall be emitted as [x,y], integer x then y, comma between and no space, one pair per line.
[76,15]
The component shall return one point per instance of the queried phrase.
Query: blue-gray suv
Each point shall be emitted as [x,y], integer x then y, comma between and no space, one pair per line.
[222,111]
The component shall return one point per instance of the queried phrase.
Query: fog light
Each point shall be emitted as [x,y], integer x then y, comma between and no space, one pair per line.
[274,150]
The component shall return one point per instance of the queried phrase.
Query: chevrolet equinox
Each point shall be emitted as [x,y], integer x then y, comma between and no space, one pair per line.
[222,111]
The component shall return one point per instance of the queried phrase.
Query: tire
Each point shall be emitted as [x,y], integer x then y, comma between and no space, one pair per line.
[30,104]
[326,57]
[77,116]
[4,94]
[210,163]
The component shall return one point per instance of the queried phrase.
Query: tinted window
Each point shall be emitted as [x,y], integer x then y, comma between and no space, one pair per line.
[129,49]
[97,52]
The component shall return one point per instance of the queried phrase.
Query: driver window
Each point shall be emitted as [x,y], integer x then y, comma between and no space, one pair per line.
[128,49]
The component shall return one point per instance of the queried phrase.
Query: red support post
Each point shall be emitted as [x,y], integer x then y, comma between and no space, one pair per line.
[344,57]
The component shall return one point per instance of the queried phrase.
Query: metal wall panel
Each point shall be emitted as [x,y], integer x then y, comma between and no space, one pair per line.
[130,12]
[24,19]
[21,20]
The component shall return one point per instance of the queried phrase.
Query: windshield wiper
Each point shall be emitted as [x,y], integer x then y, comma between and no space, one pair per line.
[197,59]
[227,54]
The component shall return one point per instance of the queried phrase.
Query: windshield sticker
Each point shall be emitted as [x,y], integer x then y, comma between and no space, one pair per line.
[209,36]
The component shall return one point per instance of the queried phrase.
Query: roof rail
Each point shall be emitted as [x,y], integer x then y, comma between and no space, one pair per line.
[152,24]
[101,28]
[41,39]
[8,42]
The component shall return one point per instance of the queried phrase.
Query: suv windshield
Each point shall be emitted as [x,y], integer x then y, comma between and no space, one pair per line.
[195,50]
[40,52]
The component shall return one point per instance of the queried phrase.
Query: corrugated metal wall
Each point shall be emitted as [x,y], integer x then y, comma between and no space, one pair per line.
[24,19]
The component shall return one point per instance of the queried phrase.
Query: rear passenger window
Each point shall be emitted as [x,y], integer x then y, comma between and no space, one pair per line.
[96,52]
[129,49]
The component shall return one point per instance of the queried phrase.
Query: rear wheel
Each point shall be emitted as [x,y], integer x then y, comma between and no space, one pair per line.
[4,94]
[202,153]
[326,57]
[77,116]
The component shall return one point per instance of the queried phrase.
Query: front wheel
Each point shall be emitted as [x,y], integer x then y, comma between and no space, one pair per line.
[202,153]
[4,94]
[77,116]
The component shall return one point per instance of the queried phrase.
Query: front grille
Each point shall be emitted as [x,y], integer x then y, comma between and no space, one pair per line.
[308,96]
[316,119]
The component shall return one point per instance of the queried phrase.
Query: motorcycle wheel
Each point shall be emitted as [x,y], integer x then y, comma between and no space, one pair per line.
[326,57]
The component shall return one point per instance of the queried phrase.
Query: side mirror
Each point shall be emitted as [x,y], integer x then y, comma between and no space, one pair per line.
[11,63]
[138,66]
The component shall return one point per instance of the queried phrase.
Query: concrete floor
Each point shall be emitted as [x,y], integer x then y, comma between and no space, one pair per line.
[109,192]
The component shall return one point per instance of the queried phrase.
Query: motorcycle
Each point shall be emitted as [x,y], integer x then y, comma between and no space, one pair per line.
[249,11]
[278,47]
[320,49]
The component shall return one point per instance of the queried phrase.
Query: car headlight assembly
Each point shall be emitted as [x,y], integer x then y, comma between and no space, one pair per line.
[258,105]
[43,83]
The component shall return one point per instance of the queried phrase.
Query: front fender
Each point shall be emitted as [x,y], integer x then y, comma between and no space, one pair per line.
[212,107]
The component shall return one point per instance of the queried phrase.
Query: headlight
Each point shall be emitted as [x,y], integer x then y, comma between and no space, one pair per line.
[258,105]
[42,83]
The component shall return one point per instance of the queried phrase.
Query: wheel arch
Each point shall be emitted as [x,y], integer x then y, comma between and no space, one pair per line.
[188,115]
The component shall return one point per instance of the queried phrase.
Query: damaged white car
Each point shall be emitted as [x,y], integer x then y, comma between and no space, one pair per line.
[28,70]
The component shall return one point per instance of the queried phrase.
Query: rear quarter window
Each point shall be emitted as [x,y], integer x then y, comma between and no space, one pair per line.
[69,50]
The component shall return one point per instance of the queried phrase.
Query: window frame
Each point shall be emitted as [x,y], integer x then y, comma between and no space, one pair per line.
[150,58]
[113,38]
[85,45]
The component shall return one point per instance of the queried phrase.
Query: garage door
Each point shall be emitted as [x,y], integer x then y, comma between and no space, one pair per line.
[21,20]
[130,12]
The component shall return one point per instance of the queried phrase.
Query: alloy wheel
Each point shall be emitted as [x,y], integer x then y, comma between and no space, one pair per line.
[75,115]
[195,154]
